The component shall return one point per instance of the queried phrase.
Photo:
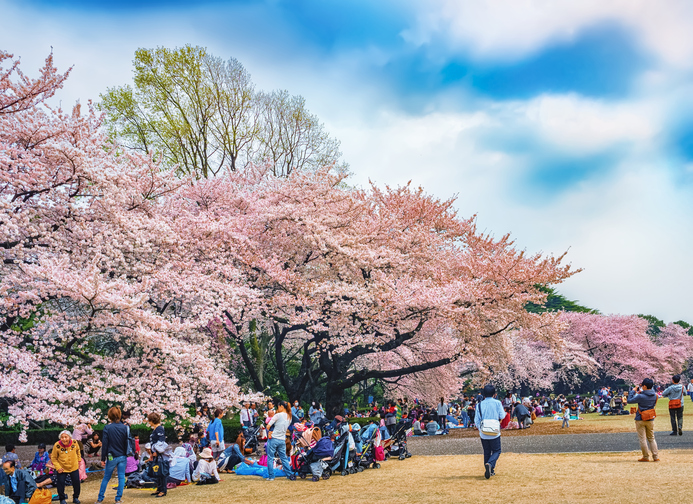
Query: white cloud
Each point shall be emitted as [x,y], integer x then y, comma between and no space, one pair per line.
[503,29]
[626,229]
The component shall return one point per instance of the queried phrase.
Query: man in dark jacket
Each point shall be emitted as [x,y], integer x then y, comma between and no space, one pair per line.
[646,399]
[19,485]
[522,414]
[114,453]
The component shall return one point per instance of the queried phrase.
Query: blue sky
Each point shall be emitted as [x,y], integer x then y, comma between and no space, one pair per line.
[565,123]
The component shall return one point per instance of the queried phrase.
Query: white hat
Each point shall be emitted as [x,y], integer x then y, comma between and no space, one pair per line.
[206,454]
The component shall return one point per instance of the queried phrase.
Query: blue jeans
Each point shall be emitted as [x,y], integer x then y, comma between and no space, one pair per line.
[277,446]
[492,450]
[233,453]
[117,463]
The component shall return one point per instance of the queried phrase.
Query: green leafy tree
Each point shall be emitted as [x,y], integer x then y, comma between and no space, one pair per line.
[203,115]
[556,302]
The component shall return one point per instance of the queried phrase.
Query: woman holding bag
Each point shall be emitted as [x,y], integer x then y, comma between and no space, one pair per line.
[489,414]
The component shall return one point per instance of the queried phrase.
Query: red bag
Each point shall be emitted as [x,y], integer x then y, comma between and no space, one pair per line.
[379,453]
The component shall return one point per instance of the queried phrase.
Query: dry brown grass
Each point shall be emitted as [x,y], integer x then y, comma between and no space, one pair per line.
[567,478]
[592,423]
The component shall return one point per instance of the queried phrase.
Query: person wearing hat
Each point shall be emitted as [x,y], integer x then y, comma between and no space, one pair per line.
[65,457]
[206,467]
[18,483]
[646,399]
[489,414]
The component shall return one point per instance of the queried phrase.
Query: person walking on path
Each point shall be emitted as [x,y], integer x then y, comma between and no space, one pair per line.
[65,457]
[675,392]
[216,434]
[278,425]
[489,413]
[19,484]
[646,399]
[114,453]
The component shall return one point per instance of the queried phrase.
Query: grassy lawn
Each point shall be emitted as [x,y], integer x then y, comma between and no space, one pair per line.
[592,422]
[571,478]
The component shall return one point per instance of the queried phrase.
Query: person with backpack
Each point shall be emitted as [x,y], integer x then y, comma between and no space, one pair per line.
[489,414]
[675,392]
[114,453]
[646,399]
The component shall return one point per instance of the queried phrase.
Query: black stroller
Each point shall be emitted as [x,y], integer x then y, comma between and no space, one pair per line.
[252,439]
[342,460]
[398,444]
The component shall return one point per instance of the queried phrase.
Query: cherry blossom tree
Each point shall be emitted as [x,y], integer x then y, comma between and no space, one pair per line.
[94,301]
[338,275]
[623,349]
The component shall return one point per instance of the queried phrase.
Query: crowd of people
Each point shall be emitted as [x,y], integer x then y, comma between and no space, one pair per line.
[202,449]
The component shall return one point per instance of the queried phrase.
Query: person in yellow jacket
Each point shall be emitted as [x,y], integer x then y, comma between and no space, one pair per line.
[65,457]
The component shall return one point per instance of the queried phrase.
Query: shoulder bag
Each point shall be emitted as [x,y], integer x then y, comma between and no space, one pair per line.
[490,426]
[648,414]
[676,403]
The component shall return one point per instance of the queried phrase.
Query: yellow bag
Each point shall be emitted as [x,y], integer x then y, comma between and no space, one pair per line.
[41,496]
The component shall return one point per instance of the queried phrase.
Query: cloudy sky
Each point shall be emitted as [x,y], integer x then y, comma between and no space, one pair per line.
[567,124]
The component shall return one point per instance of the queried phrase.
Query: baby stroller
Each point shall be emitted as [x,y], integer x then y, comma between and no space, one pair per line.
[252,439]
[315,461]
[398,442]
[367,457]
[341,459]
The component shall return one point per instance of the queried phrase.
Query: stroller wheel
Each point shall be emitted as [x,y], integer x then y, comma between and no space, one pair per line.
[408,455]
[376,466]
[303,476]
[359,469]
[326,475]
[345,472]
[316,478]
[352,470]
[401,457]
[387,456]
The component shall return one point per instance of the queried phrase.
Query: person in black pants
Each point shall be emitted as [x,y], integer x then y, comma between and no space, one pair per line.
[157,436]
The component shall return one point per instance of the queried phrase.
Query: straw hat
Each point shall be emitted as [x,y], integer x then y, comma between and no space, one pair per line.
[206,454]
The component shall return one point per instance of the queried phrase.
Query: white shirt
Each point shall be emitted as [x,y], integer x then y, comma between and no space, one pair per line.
[206,466]
[245,415]
[281,422]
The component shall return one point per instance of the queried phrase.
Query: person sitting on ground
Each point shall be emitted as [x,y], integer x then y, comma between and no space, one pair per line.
[19,484]
[179,468]
[206,471]
[234,456]
[10,454]
[504,423]
[432,428]
[41,458]
[93,445]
